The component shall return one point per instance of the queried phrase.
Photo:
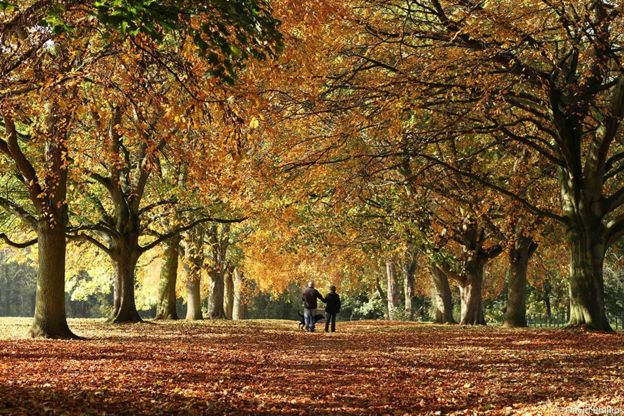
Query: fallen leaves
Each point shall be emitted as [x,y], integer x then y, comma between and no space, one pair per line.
[269,367]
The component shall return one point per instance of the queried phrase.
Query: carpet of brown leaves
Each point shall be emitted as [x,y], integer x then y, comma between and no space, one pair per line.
[270,367]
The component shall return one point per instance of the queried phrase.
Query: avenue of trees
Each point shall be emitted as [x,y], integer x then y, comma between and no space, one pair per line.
[444,154]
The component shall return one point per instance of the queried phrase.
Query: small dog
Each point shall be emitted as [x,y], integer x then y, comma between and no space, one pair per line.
[317,317]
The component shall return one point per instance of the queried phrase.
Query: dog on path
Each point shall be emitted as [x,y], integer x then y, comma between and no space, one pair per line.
[317,317]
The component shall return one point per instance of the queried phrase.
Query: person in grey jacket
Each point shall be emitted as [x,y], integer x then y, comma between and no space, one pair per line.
[309,297]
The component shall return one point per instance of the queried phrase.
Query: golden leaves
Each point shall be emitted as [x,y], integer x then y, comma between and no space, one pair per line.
[367,367]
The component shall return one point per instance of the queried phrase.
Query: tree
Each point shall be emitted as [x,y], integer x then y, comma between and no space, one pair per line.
[238,308]
[218,240]
[410,265]
[50,37]
[47,194]
[392,290]
[557,91]
[193,265]
[519,254]
[166,307]
[441,295]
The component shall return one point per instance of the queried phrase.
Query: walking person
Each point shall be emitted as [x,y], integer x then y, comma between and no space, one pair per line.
[332,307]
[309,297]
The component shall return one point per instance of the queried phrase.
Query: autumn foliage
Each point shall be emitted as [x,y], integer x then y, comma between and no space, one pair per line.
[443,161]
[270,367]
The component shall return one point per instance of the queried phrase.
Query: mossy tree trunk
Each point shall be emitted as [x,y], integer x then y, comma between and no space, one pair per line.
[166,308]
[519,256]
[228,301]
[409,275]
[392,290]
[238,308]
[587,251]
[588,240]
[194,261]
[441,296]
[218,241]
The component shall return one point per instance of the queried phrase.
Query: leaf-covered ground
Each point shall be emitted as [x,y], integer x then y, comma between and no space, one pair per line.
[270,367]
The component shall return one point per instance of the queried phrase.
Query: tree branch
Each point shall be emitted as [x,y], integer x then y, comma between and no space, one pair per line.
[85,237]
[17,245]
[22,163]
[536,210]
[186,228]
[19,211]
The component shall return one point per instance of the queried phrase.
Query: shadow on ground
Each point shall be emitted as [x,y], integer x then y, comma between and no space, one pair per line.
[269,367]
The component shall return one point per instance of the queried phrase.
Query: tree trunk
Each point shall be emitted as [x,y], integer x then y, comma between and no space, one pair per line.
[382,294]
[218,240]
[193,299]
[125,251]
[228,304]
[238,308]
[587,243]
[519,255]
[166,308]
[471,294]
[125,266]
[116,292]
[50,318]
[393,291]
[587,251]
[547,299]
[194,261]
[409,281]
[442,299]
[215,299]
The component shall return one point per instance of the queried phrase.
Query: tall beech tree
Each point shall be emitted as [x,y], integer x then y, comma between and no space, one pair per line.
[546,75]
[38,106]
[35,33]
[441,296]
[218,241]
[47,193]
[124,128]
[126,211]
[166,306]
[193,265]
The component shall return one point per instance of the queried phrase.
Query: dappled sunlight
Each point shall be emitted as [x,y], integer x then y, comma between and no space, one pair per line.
[270,367]
[443,178]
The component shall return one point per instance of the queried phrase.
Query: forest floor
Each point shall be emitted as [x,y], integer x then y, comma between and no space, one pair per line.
[270,367]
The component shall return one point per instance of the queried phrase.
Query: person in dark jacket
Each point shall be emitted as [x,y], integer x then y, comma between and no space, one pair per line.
[332,307]
[309,297]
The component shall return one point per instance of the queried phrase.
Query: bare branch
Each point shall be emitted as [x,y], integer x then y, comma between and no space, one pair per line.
[187,227]
[85,237]
[12,243]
